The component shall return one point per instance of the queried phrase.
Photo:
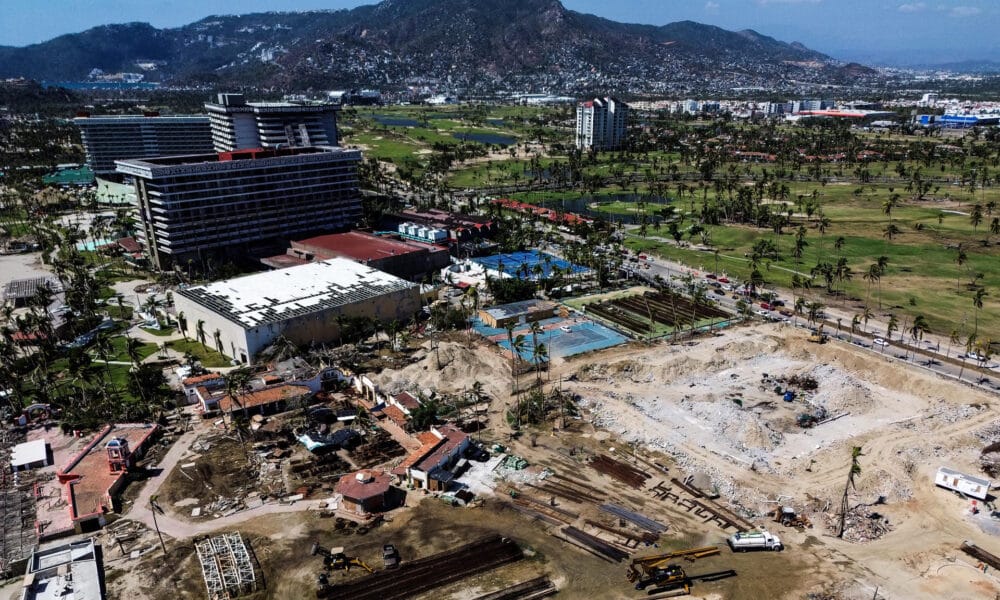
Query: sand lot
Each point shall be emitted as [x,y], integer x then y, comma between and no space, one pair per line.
[21,266]
[711,406]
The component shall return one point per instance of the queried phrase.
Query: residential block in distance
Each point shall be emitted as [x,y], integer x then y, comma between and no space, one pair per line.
[600,124]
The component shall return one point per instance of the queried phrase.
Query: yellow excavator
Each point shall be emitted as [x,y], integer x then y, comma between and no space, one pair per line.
[656,569]
[817,336]
[335,559]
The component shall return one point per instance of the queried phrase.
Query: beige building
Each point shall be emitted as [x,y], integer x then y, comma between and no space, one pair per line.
[242,316]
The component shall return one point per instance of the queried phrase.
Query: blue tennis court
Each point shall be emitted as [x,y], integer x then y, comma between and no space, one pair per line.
[561,337]
[517,263]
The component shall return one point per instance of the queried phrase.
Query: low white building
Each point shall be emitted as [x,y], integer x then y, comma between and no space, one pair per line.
[30,455]
[242,316]
[71,571]
[974,487]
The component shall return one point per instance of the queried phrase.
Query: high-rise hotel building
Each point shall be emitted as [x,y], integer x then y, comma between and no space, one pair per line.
[118,137]
[238,124]
[242,202]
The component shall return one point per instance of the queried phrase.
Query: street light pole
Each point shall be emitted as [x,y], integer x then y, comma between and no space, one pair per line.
[154,508]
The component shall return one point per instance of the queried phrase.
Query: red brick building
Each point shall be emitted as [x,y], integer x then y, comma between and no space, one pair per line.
[365,492]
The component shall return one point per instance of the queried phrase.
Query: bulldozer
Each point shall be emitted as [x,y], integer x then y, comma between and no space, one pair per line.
[817,336]
[335,559]
[651,569]
[787,516]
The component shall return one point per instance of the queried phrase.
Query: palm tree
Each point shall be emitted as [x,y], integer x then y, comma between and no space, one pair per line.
[237,384]
[815,311]
[960,259]
[977,302]
[199,330]
[872,275]
[952,340]
[890,328]
[883,266]
[182,324]
[535,330]
[800,306]
[917,331]
[518,346]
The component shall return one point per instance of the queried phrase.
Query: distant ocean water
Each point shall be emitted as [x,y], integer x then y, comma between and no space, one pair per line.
[101,85]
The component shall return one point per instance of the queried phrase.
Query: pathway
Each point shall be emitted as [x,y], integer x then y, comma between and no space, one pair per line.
[180,529]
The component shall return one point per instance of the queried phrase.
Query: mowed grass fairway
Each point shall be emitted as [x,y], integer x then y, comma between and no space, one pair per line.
[923,275]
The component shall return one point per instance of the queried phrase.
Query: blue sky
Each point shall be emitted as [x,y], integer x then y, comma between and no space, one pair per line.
[883,31]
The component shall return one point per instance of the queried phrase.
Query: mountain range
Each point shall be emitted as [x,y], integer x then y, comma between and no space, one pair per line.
[483,45]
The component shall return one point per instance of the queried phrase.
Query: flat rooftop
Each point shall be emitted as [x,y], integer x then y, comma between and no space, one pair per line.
[363,246]
[113,119]
[26,288]
[221,157]
[276,296]
[70,571]
[28,453]
[524,307]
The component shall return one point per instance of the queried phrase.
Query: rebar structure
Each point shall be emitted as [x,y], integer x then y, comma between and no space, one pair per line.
[226,566]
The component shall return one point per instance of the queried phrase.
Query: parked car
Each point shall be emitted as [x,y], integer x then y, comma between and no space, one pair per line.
[765,306]
[390,556]
[880,342]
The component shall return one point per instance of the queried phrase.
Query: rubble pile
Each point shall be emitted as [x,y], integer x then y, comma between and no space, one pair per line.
[861,525]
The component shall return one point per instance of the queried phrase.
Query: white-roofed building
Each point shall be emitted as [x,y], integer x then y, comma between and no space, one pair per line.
[30,455]
[71,571]
[242,316]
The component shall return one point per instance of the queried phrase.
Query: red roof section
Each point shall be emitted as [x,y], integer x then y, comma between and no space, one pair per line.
[542,212]
[361,246]
[88,476]
[376,484]
[264,397]
[200,379]
[428,442]
[395,415]
[407,401]
[453,437]
[128,244]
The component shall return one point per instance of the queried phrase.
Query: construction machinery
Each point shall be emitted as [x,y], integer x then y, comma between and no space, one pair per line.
[335,559]
[652,566]
[673,577]
[787,516]
[817,336]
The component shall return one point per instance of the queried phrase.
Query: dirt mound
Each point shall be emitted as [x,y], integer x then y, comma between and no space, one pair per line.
[839,391]
[461,366]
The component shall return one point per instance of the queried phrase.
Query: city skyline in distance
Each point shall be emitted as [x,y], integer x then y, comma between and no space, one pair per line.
[851,30]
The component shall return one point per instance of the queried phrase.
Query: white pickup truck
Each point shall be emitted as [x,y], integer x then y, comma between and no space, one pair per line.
[754,540]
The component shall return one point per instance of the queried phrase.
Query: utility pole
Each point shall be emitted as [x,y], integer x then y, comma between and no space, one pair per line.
[155,508]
